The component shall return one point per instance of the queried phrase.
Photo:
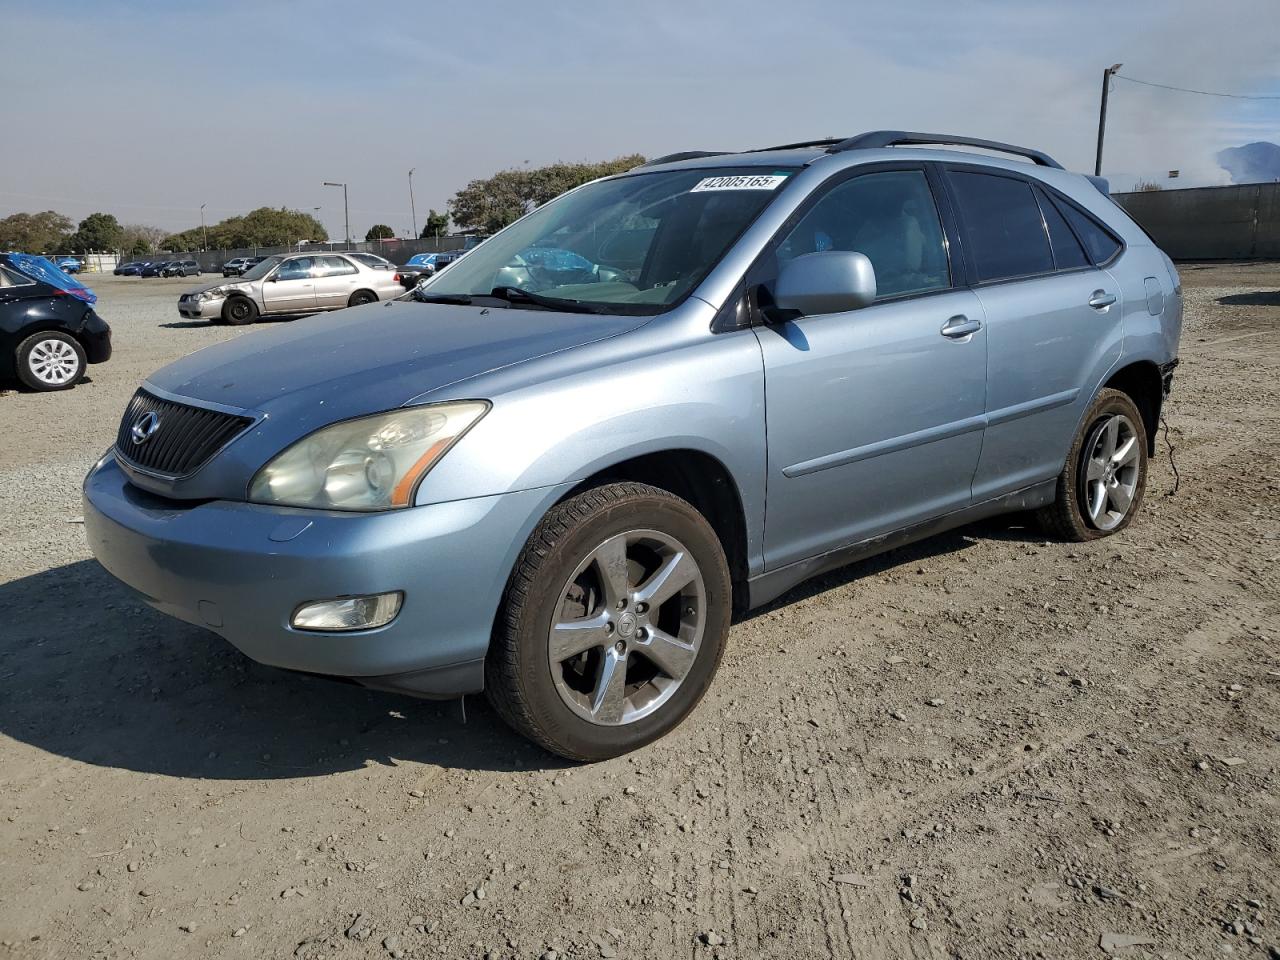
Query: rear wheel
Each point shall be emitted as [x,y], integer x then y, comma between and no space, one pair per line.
[613,622]
[239,310]
[50,360]
[1102,484]
[361,297]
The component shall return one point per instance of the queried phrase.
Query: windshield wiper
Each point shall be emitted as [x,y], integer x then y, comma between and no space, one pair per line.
[523,296]
[423,296]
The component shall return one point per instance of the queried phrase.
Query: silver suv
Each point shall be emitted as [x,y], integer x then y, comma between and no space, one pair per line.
[660,399]
[298,283]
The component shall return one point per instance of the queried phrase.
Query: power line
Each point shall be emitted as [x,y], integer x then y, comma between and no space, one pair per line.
[1203,93]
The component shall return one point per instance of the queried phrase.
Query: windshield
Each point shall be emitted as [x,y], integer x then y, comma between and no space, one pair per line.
[262,269]
[634,244]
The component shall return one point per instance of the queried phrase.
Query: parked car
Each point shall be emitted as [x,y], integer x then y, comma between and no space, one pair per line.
[296,283]
[69,264]
[447,257]
[238,265]
[49,331]
[153,268]
[560,489]
[127,269]
[180,268]
[419,267]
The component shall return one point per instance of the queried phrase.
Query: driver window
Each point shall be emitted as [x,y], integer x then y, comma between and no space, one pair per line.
[296,269]
[889,217]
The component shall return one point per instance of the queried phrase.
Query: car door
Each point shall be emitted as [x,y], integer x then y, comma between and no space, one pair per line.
[336,279]
[1053,318]
[873,416]
[291,289]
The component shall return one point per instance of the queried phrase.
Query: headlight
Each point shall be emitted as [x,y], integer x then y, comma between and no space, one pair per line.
[215,294]
[373,463]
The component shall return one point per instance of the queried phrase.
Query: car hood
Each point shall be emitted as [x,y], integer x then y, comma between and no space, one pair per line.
[367,359]
[225,283]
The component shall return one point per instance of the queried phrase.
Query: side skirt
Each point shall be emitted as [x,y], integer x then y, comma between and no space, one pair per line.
[771,585]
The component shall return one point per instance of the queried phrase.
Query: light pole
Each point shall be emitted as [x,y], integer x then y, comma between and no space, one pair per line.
[204,234]
[413,211]
[1102,114]
[320,216]
[346,211]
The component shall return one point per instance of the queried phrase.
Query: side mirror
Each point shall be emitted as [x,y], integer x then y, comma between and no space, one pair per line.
[832,281]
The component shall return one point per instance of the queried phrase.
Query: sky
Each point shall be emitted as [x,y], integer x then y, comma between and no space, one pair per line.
[148,110]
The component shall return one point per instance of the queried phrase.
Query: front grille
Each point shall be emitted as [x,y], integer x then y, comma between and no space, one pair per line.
[184,440]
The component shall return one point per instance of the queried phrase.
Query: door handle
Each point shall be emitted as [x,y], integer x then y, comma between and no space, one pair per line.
[1101,299]
[960,327]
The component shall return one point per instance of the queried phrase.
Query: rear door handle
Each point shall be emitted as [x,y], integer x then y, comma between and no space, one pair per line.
[1101,299]
[959,327]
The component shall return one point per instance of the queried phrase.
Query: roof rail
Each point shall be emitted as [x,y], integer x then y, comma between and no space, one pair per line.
[825,142]
[684,155]
[896,138]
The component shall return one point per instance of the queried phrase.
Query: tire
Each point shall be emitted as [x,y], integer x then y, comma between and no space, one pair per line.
[564,704]
[239,310]
[50,360]
[1099,492]
[361,297]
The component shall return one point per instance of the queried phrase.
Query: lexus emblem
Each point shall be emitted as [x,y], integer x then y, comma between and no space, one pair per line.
[145,427]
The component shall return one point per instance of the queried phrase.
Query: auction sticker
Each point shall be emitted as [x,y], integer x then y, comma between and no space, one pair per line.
[768,181]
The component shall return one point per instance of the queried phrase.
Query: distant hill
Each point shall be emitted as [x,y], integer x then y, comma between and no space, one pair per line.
[1252,163]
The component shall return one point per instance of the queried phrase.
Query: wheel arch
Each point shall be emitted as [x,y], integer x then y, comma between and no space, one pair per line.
[1142,382]
[698,477]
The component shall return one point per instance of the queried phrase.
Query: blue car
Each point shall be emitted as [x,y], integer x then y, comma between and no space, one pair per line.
[69,264]
[560,469]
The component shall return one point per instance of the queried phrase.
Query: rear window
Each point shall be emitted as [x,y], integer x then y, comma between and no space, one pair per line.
[1098,240]
[1002,222]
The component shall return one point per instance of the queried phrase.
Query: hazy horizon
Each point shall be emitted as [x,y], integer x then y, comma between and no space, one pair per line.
[147,112]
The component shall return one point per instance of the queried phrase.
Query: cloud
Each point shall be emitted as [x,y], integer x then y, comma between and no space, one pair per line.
[1251,163]
[160,113]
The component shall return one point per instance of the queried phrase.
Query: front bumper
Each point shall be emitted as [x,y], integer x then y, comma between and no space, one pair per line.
[242,569]
[201,309]
[95,335]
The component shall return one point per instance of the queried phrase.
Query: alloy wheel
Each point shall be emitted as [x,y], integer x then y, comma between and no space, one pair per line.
[1109,472]
[627,628]
[53,362]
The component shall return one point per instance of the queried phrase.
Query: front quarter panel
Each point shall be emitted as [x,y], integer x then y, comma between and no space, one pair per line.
[666,386]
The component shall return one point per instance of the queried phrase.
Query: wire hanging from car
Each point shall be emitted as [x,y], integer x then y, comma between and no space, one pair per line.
[1177,479]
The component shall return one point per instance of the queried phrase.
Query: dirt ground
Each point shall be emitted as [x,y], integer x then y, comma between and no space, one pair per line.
[987,745]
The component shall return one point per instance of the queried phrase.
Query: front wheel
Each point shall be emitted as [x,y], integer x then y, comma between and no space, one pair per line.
[613,622]
[1103,482]
[239,310]
[50,361]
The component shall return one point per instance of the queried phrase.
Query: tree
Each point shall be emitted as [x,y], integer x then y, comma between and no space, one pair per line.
[139,238]
[264,227]
[489,205]
[34,232]
[437,225]
[1147,186]
[97,231]
[380,231]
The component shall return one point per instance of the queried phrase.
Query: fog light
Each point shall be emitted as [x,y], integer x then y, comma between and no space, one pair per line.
[348,613]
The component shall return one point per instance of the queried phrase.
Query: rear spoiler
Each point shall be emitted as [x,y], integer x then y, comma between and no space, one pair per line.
[1101,183]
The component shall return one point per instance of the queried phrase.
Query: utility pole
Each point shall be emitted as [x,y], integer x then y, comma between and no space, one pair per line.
[204,234]
[412,209]
[1102,114]
[346,211]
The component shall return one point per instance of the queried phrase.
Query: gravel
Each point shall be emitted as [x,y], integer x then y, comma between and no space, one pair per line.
[226,782]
